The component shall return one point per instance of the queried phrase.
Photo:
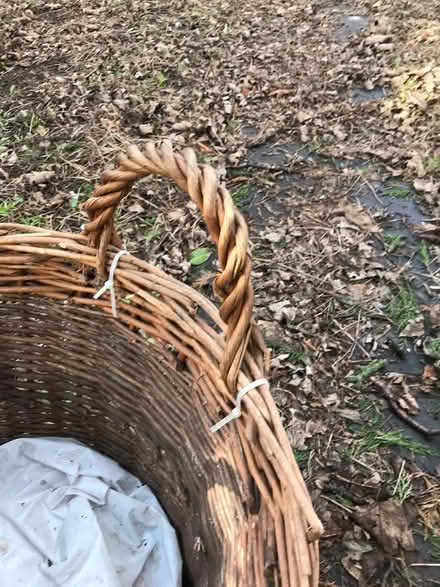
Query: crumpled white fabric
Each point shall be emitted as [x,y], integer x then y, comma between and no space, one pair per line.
[72,517]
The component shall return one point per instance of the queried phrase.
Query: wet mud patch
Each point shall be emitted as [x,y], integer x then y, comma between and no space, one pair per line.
[278,154]
[361,95]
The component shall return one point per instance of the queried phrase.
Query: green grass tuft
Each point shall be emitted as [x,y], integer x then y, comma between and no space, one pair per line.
[403,308]
[240,194]
[367,371]
[393,241]
[372,438]
[398,191]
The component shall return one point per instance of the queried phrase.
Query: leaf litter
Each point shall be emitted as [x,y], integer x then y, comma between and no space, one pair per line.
[349,95]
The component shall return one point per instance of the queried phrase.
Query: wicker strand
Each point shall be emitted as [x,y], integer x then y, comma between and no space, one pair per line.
[266,481]
[226,226]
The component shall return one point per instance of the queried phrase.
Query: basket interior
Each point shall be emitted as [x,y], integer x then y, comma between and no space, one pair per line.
[73,372]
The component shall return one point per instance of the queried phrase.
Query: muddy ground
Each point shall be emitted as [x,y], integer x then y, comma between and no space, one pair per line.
[323,119]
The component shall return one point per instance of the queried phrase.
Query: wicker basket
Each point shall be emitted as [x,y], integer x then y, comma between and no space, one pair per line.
[147,386]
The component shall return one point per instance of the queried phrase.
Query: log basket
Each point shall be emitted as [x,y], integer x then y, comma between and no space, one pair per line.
[145,387]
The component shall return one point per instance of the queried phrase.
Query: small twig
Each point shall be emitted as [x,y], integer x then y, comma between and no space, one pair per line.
[353,340]
[387,574]
[342,357]
[363,464]
[351,482]
[351,188]
[426,275]
[328,444]
[339,505]
[386,389]
[373,191]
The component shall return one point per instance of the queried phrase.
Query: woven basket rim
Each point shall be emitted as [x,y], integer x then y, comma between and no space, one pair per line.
[54,264]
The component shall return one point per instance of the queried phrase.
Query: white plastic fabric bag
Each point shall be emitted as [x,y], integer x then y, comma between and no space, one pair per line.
[71,517]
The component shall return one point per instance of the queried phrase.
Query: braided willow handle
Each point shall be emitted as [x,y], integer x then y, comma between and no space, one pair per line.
[225,224]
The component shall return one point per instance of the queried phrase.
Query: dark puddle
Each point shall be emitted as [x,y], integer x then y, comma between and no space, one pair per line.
[411,364]
[263,204]
[401,215]
[361,95]
[402,206]
[428,417]
[280,156]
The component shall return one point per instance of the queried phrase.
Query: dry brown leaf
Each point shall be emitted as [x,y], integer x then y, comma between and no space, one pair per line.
[302,115]
[430,83]
[205,149]
[38,177]
[407,402]
[146,129]
[427,186]
[416,163]
[376,39]
[414,328]
[176,214]
[281,92]
[359,216]
[182,125]
[59,199]
[203,280]
[304,133]
[136,207]
[428,231]
[387,522]
[426,227]
[339,132]
[352,565]
[434,313]
[418,98]
[275,236]
[429,372]
[352,415]
[383,153]
[359,290]
[356,547]
[239,179]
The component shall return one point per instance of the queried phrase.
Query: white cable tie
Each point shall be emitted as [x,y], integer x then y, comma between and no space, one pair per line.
[109,284]
[236,412]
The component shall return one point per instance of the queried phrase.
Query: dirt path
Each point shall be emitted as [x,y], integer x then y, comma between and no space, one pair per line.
[323,119]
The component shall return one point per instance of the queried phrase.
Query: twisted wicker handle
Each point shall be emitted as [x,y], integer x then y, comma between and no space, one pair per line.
[225,224]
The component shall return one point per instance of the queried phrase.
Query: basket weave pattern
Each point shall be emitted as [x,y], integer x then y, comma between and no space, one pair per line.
[146,387]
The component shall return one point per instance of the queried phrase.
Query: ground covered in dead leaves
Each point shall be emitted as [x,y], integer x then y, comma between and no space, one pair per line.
[323,119]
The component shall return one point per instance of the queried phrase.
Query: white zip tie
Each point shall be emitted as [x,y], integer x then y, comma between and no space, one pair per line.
[109,284]
[236,412]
